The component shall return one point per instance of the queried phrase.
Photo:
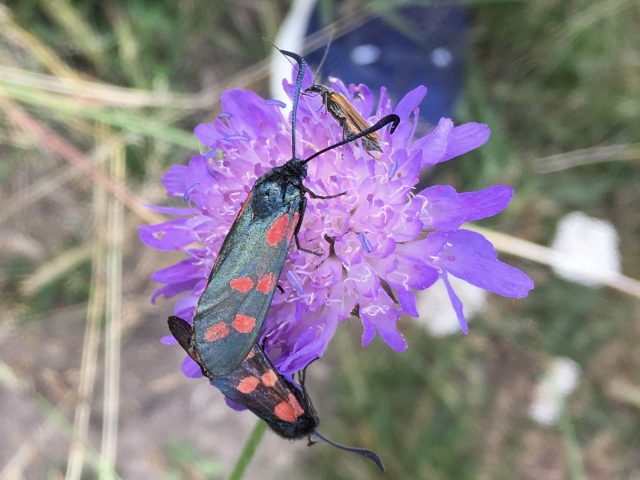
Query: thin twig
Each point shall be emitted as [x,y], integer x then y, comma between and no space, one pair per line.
[66,150]
[111,408]
[113,322]
[55,268]
[587,156]
[106,94]
[25,40]
[88,366]
[43,187]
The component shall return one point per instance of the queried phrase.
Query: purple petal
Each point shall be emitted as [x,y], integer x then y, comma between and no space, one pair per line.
[249,113]
[473,240]
[434,145]
[486,203]
[233,405]
[338,85]
[412,272]
[309,345]
[383,316]
[364,279]
[173,210]
[407,300]
[405,167]
[465,138]
[466,261]
[391,335]
[364,100]
[179,272]
[457,305]
[384,105]
[190,368]
[368,330]
[168,340]
[179,179]
[329,273]
[348,249]
[443,209]
[206,133]
[410,102]
[185,306]
[173,289]
[295,281]
[165,236]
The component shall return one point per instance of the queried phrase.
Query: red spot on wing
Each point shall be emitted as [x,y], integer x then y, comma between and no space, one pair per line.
[242,285]
[285,412]
[216,332]
[243,323]
[269,379]
[292,225]
[298,410]
[277,230]
[248,384]
[266,283]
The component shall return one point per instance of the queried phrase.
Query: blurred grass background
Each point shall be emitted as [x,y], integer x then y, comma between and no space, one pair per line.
[98,98]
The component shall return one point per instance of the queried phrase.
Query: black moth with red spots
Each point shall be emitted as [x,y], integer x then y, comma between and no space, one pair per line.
[241,285]
[257,385]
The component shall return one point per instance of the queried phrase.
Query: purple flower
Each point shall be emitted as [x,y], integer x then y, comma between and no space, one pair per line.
[382,233]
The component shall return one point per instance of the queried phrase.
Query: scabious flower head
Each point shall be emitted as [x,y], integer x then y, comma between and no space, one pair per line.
[380,242]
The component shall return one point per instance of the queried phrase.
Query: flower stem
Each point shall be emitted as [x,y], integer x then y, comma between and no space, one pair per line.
[249,449]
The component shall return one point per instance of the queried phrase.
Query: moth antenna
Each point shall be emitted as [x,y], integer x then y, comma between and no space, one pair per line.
[359,451]
[302,378]
[391,118]
[302,66]
[325,54]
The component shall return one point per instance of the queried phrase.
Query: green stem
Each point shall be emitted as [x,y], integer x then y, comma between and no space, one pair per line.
[573,456]
[249,449]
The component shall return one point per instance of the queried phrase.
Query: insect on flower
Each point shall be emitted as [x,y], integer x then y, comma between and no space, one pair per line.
[241,284]
[347,117]
[381,243]
[240,288]
[257,385]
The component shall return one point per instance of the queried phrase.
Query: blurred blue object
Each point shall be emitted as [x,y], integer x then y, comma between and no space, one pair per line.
[412,46]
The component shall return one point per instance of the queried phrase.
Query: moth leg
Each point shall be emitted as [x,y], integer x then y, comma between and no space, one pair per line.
[303,207]
[321,197]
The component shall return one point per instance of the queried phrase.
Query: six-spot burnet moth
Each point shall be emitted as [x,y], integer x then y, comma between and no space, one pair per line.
[347,117]
[241,285]
[257,385]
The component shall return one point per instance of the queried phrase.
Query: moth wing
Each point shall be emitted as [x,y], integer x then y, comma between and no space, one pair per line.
[234,304]
[182,331]
[257,385]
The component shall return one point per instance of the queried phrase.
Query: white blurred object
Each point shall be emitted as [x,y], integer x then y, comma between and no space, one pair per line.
[365,54]
[588,248]
[436,312]
[290,37]
[551,392]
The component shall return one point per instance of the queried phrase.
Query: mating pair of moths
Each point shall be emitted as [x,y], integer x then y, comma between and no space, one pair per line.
[239,290]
